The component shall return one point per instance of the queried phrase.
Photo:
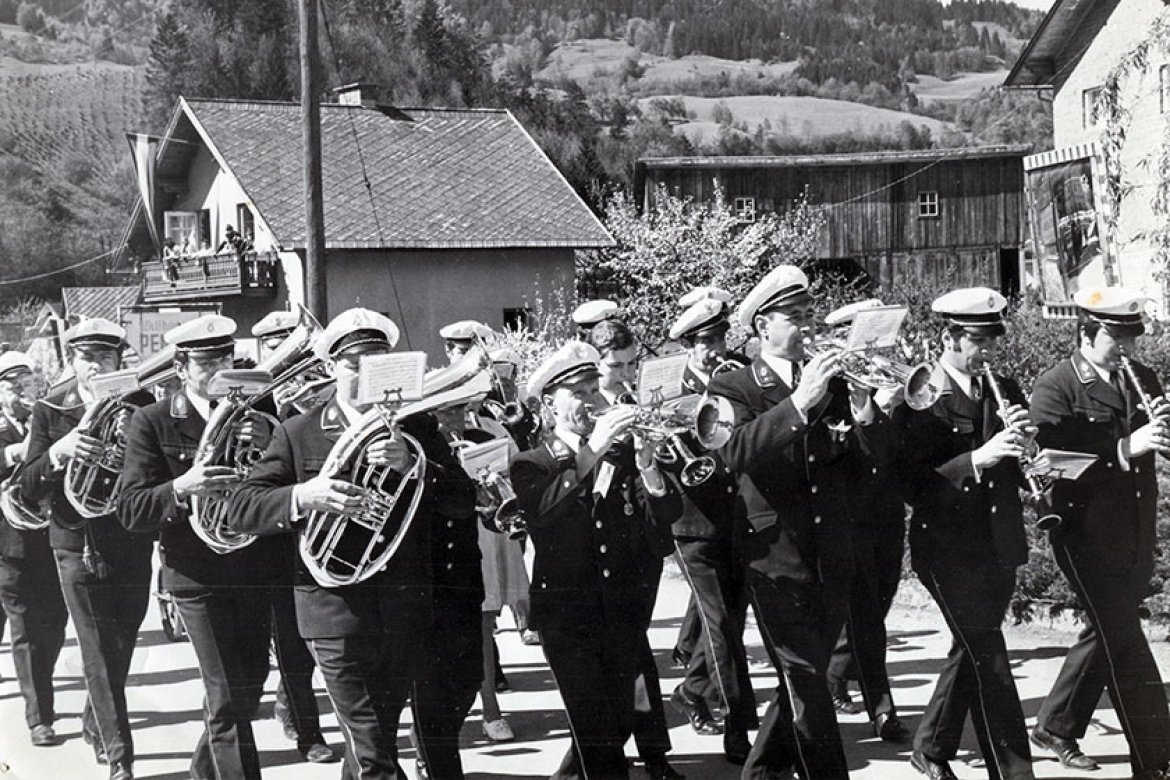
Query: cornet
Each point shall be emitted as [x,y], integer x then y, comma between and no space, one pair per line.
[879,373]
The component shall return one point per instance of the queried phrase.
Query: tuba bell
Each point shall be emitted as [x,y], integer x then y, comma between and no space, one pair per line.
[92,486]
[345,549]
[222,443]
[16,510]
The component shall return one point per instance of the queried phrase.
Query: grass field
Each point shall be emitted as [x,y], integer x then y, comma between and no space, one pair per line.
[804,116]
[963,87]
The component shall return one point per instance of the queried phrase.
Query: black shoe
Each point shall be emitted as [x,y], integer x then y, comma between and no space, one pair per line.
[1067,751]
[736,746]
[844,704]
[95,742]
[420,770]
[658,768]
[680,658]
[317,752]
[283,715]
[120,770]
[696,711]
[935,770]
[889,728]
[43,736]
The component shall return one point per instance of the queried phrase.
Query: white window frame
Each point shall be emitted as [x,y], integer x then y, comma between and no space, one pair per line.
[1089,100]
[178,225]
[745,209]
[929,204]
[1164,89]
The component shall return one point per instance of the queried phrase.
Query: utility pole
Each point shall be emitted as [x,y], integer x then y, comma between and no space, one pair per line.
[315,295]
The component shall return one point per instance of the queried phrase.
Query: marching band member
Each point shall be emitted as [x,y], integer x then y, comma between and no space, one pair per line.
[368,638]
[718,669]
[503,404]
[1105,544]
[223,599]
[104,570]
[590,499]
[590,313]
[460,337]
[790,447]
[960,469]
[296,702]
[30,587]
[618,371]
[879,542]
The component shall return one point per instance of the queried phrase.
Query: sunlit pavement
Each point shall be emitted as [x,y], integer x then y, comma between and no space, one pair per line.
[165,701]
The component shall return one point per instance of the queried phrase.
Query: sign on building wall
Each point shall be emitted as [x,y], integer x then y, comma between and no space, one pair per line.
[1064,190]
[145,327]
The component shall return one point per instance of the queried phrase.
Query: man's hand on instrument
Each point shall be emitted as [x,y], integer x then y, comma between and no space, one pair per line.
[1159,411]
[814,380]
[614,423]
[391,453]
[1005,444]
[254,430]
[205,481]
[1015,418]
[323,494]
[1151,437]
[76,444]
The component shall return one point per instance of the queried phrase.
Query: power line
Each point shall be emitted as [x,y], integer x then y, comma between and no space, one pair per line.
[63,269]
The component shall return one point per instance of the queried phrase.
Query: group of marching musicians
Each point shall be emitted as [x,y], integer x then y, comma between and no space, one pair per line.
[802,516]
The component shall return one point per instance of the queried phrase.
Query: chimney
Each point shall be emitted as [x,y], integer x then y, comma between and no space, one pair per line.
[357,94]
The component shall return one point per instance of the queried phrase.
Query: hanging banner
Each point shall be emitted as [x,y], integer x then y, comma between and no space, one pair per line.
[144,148]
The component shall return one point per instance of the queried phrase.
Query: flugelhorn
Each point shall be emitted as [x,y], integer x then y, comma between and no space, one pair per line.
[222,444]
[345,549]
[879,372]
[92,486]
[1039,488]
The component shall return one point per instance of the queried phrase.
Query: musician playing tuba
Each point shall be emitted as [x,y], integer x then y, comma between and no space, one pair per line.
[222,598]
[108,589]
[367,637]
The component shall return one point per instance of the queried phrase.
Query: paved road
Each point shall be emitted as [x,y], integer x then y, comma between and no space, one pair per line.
[165,708]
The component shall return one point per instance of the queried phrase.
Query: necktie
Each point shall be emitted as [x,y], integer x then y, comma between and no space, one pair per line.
[795,375]
[976,388]
[1118,382]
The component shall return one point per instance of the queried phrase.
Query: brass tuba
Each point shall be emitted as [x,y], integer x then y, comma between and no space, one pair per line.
[92,486]
[221,443]
[341,549]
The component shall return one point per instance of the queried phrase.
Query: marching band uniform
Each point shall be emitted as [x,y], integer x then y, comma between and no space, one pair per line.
[586,316]
[30,588]
[966,540]
[589,518]
[718,667]
[793,528]
[108,600]
[296,702]
[1105,544]
[368,638]
[223,599]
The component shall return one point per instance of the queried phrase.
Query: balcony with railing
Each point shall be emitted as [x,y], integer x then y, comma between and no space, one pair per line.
[199,276]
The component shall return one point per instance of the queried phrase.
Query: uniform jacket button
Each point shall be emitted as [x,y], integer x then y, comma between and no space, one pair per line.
[990,484]
[813,489]
[605,572]
[568,483]
[598,524]
[812,458]
[817,520]
[603,549]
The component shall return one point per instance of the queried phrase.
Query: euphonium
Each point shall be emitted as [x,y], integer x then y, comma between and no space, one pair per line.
[221,443]
[880,373]
[345,549]
[1039,489]
[92,486]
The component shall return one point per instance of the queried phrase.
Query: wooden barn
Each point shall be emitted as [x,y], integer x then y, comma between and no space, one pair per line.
[953,217]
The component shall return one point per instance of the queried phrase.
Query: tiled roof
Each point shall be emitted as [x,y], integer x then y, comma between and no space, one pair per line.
[97,301]
[438,178]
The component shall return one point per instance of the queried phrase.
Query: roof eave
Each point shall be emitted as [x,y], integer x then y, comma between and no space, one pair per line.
[447,245]
[1019,65]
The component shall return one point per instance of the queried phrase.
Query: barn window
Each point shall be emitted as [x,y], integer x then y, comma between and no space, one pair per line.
[1089,100]
[1164,88]
[928,204]
[745,209]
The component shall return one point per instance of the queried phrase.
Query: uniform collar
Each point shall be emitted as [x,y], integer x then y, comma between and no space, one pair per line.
[202,406]
[67,399]
[180,406]
[335,419]
[1088,371]
[568,439]
[770,371]
[964,382]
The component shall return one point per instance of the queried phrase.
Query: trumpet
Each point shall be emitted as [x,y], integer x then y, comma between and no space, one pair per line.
[878,372]
[503,509]
[1039,488]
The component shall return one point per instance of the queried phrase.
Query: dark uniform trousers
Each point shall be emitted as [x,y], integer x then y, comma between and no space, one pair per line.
[966,539]
[590,589]
[30,592]
[106,611]
[366,639]
[223,599]
[293,659]
[794,532]
[650,731]
[1105,547]
[879,544]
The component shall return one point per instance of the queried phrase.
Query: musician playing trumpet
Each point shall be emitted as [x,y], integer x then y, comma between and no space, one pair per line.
[591,497]
[366,638]
[104,571]
[1100,401]
[959,462]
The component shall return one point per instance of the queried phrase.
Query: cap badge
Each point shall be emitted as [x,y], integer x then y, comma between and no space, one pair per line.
[211,327]
[1095,297]
[1133,306]
[991,301]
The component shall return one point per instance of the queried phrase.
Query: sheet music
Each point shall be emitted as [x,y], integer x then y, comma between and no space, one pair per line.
[1060,464]
[397,376]
[490,455]
[876,328]
[660,378]
[114,383]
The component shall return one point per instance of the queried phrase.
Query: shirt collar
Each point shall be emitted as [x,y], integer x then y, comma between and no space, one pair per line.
[86,395]
[781,367]
[200,405]
[1105,374]
[964,382]
[572,440]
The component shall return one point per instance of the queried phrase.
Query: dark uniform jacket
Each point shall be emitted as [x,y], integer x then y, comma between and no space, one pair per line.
[14,541]
[263,505]
[161,446]
[1106,510]
[953,514]
[41,483]
[793,476]
[592,552]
